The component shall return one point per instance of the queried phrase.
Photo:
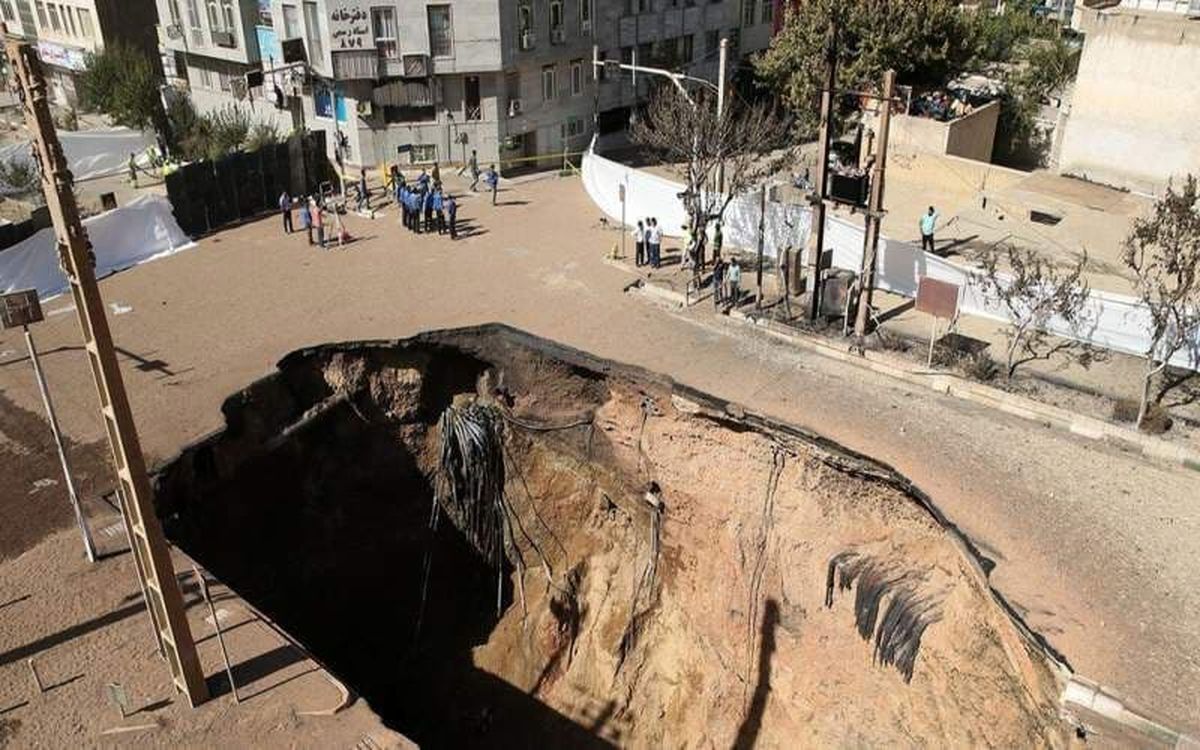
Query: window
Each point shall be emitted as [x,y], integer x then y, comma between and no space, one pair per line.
[227,15]
[572,128]
[525,36]
[85,23]
[205,77]
[576,77]
[193,14]
[383,21]
[54,22]
[712,40]
[441,38]
[312,23]
[41,14]
[69,20]
[643,6]
[214,16]
[6,10]
[556,15]
[768,11]
[291,22]
[585,16]
[173,7]
[747,12]
[512,87]
[549,83]
[422,153]
[685,49]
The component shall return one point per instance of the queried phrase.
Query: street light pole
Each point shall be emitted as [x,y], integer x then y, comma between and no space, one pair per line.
[724,56]
[866,283]
[816,245]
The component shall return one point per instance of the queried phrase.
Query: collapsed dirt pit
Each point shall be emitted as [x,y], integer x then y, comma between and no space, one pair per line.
[498,541]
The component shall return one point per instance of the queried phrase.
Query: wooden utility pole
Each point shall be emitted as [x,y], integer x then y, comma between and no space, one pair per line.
[816,237]
[875,212]
[153,559]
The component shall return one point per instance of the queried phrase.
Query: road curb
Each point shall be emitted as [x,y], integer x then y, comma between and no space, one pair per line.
[954,385]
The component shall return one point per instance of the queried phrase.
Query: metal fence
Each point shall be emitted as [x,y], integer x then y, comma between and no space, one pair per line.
[207,195]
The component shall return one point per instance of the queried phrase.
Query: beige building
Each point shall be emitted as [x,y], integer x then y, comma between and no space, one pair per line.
[1134,118]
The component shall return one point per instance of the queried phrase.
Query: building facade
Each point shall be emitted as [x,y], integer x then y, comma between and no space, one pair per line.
[392,80]
[67,31]
[1134,109]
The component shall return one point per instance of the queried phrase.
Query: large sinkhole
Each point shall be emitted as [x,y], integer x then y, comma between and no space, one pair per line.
[498,541]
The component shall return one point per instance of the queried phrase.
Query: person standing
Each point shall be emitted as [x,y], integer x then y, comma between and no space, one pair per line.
[492,180]
[718,281]
[285,207]
[364,191]
[718,239]
[439,211]
[655,240]
[928,226]
[734,276]
[474,172]
[437,175]
[452,215]
[319,221]
[133,169]
[639,244]
[687,253]
[427,203]
[306,219]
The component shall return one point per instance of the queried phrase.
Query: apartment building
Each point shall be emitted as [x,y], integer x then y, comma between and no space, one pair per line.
[17,16]
[417,82]
[212,49]
[67,31]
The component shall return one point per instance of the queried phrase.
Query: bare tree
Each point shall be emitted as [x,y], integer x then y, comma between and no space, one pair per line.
[1034,292]
[1163,251]
[688,134]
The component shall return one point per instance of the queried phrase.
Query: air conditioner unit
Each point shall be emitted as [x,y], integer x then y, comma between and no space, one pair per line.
[557,36]
[585,27]
[416,66]
[365,108]
[514,107]
[527,40]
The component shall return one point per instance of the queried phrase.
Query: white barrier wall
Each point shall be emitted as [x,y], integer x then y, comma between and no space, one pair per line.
[142,230]
[92,153]
[1119,322]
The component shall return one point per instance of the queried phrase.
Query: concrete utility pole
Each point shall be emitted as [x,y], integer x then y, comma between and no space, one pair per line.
[875,212]
[153,559]
[816,238]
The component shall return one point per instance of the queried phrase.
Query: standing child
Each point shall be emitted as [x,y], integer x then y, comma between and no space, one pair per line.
[452,215]
[306,219]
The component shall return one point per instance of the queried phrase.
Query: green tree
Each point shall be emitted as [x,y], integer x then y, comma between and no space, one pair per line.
[123,83]
[925,41]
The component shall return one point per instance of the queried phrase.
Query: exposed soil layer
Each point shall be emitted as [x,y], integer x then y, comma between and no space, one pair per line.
[677,571]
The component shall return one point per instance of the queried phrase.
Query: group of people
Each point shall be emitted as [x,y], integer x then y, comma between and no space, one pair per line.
[425,206]
[647,238]
[314,216]
[726,275]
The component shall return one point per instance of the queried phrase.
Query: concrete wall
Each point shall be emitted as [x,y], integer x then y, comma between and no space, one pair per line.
[970,136]
[1135,112]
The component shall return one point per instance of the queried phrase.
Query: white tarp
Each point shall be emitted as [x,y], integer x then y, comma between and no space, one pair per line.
[143,230]
[1119,322]
[92,153]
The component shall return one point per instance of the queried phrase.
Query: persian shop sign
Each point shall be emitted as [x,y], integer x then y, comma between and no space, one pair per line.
[349,25]
[71,58]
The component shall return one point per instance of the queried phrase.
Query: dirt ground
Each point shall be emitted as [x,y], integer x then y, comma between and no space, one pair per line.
[1095,547]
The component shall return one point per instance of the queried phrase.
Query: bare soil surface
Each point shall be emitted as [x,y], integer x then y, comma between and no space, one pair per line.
[1096,547]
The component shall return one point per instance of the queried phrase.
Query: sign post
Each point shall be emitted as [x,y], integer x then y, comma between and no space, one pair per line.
[940,300]
[23,309]
[621,195]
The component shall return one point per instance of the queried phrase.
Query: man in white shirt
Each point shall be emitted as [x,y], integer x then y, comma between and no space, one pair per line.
[654,238]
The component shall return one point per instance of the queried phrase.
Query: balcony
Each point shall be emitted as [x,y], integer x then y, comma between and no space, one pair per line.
[356,64]
[224,39]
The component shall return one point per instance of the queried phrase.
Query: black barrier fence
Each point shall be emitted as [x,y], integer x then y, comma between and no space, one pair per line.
[18,231]
[207,195]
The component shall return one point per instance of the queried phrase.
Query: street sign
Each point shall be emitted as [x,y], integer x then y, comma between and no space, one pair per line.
[20,309]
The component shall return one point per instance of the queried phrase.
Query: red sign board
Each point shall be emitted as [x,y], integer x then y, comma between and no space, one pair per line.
[937,298]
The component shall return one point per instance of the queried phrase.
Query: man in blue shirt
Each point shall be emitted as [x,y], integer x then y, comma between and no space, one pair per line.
[437,210]
[452,215]
[928,225]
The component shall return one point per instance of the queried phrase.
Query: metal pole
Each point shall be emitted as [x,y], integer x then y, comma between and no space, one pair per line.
[724,55]
[762,232]
[866,285]
[212,612]
[88,545]
[816,247]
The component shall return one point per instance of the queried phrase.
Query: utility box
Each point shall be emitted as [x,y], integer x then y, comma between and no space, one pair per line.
[836,293]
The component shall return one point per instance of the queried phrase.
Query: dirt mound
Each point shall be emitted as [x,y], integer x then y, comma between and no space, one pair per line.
[671,569]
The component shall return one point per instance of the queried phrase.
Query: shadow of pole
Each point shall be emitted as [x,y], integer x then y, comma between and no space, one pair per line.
[752,724]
